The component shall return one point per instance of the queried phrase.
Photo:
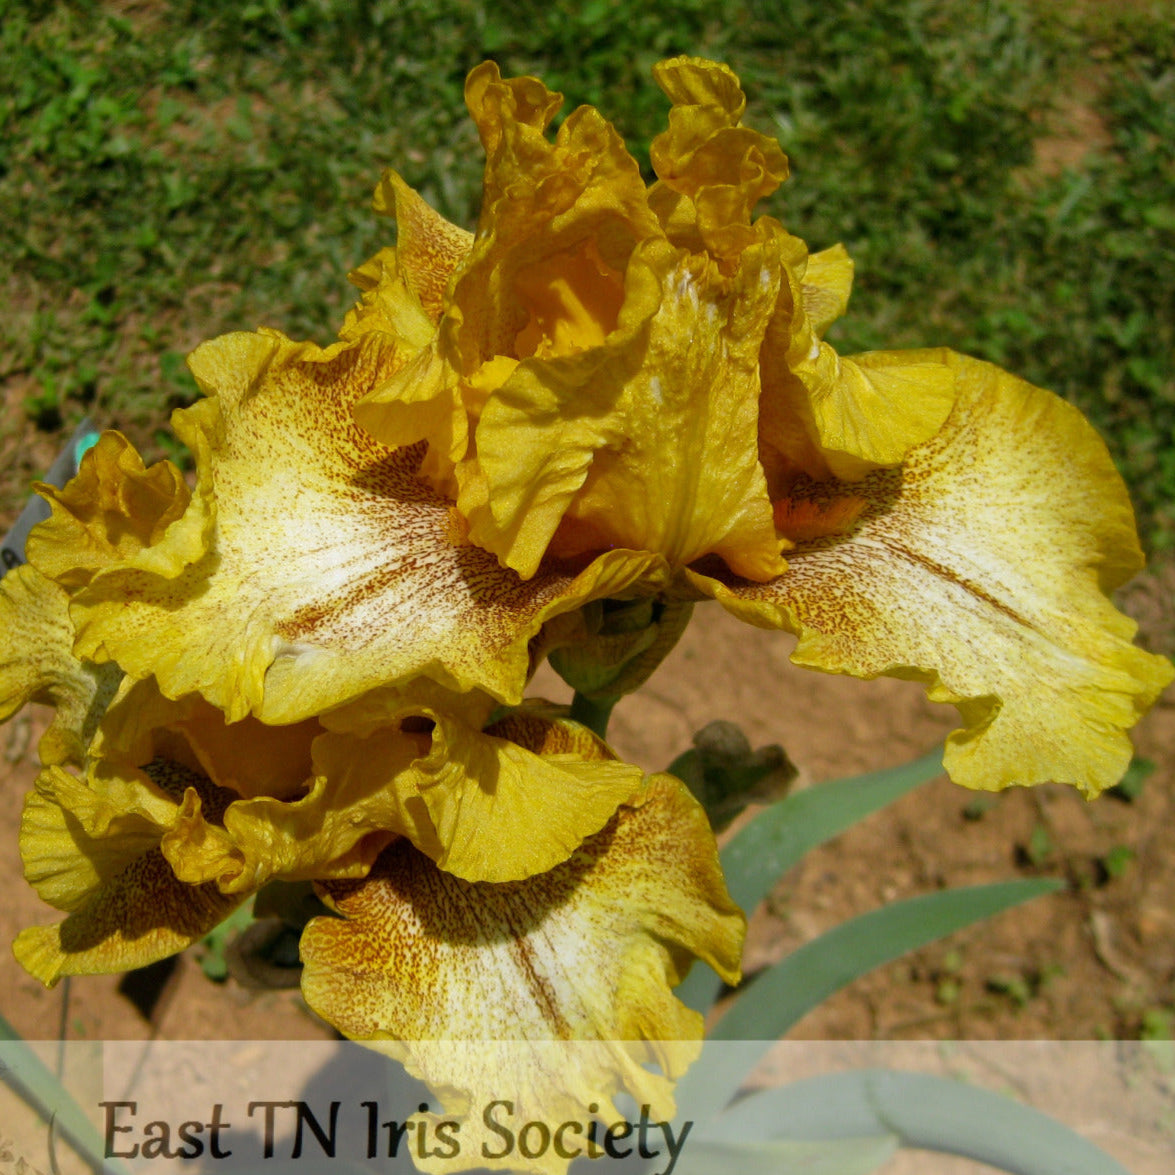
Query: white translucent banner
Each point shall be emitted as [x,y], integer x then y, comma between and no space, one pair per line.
[820,1108]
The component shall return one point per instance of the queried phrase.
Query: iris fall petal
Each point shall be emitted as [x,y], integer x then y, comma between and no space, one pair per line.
[327,567]
[586,952]
[981,566]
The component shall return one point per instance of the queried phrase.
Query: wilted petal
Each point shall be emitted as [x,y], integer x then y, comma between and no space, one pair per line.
[981,567]
[114,511]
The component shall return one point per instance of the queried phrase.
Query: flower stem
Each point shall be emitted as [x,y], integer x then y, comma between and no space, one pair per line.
[592,712]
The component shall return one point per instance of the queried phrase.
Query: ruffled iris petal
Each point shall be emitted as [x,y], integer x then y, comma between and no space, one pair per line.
[37,664]
[327,568]
[981,567]
[545,268]
[403,288]
[428,247]
[114,511]
[495,806]
[95,851]
[831,415]
[711,171]
[649,442]
[585,952]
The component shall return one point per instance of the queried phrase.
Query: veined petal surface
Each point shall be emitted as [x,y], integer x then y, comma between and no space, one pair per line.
[403,288]
[981,566]
[329,568]
[586,952]
[429,248]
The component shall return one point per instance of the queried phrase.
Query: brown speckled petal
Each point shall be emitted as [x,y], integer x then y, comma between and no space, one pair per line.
[96,853]
[586,952]
[981,566]
[330,568]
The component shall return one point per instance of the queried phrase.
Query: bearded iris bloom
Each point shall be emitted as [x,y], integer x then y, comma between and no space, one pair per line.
[502,881]
[609,391]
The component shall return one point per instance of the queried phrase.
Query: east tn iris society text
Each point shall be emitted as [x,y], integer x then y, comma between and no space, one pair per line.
[293,1130]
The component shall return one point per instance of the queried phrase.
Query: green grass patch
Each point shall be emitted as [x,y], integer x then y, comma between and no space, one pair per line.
[173,170]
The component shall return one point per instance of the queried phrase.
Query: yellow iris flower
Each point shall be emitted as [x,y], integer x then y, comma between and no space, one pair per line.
[604,368]
[608,391]
[502,882]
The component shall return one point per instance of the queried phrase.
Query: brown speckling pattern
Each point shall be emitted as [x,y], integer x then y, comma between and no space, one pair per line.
[556,988]
[586,951]
[545,734]
[174,779]
[428,247]
[979,566]
[143,915]
[332,568]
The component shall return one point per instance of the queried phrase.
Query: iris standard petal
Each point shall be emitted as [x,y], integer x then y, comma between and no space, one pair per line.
[711,171]
[649,441]
[499,805]
[544,271]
